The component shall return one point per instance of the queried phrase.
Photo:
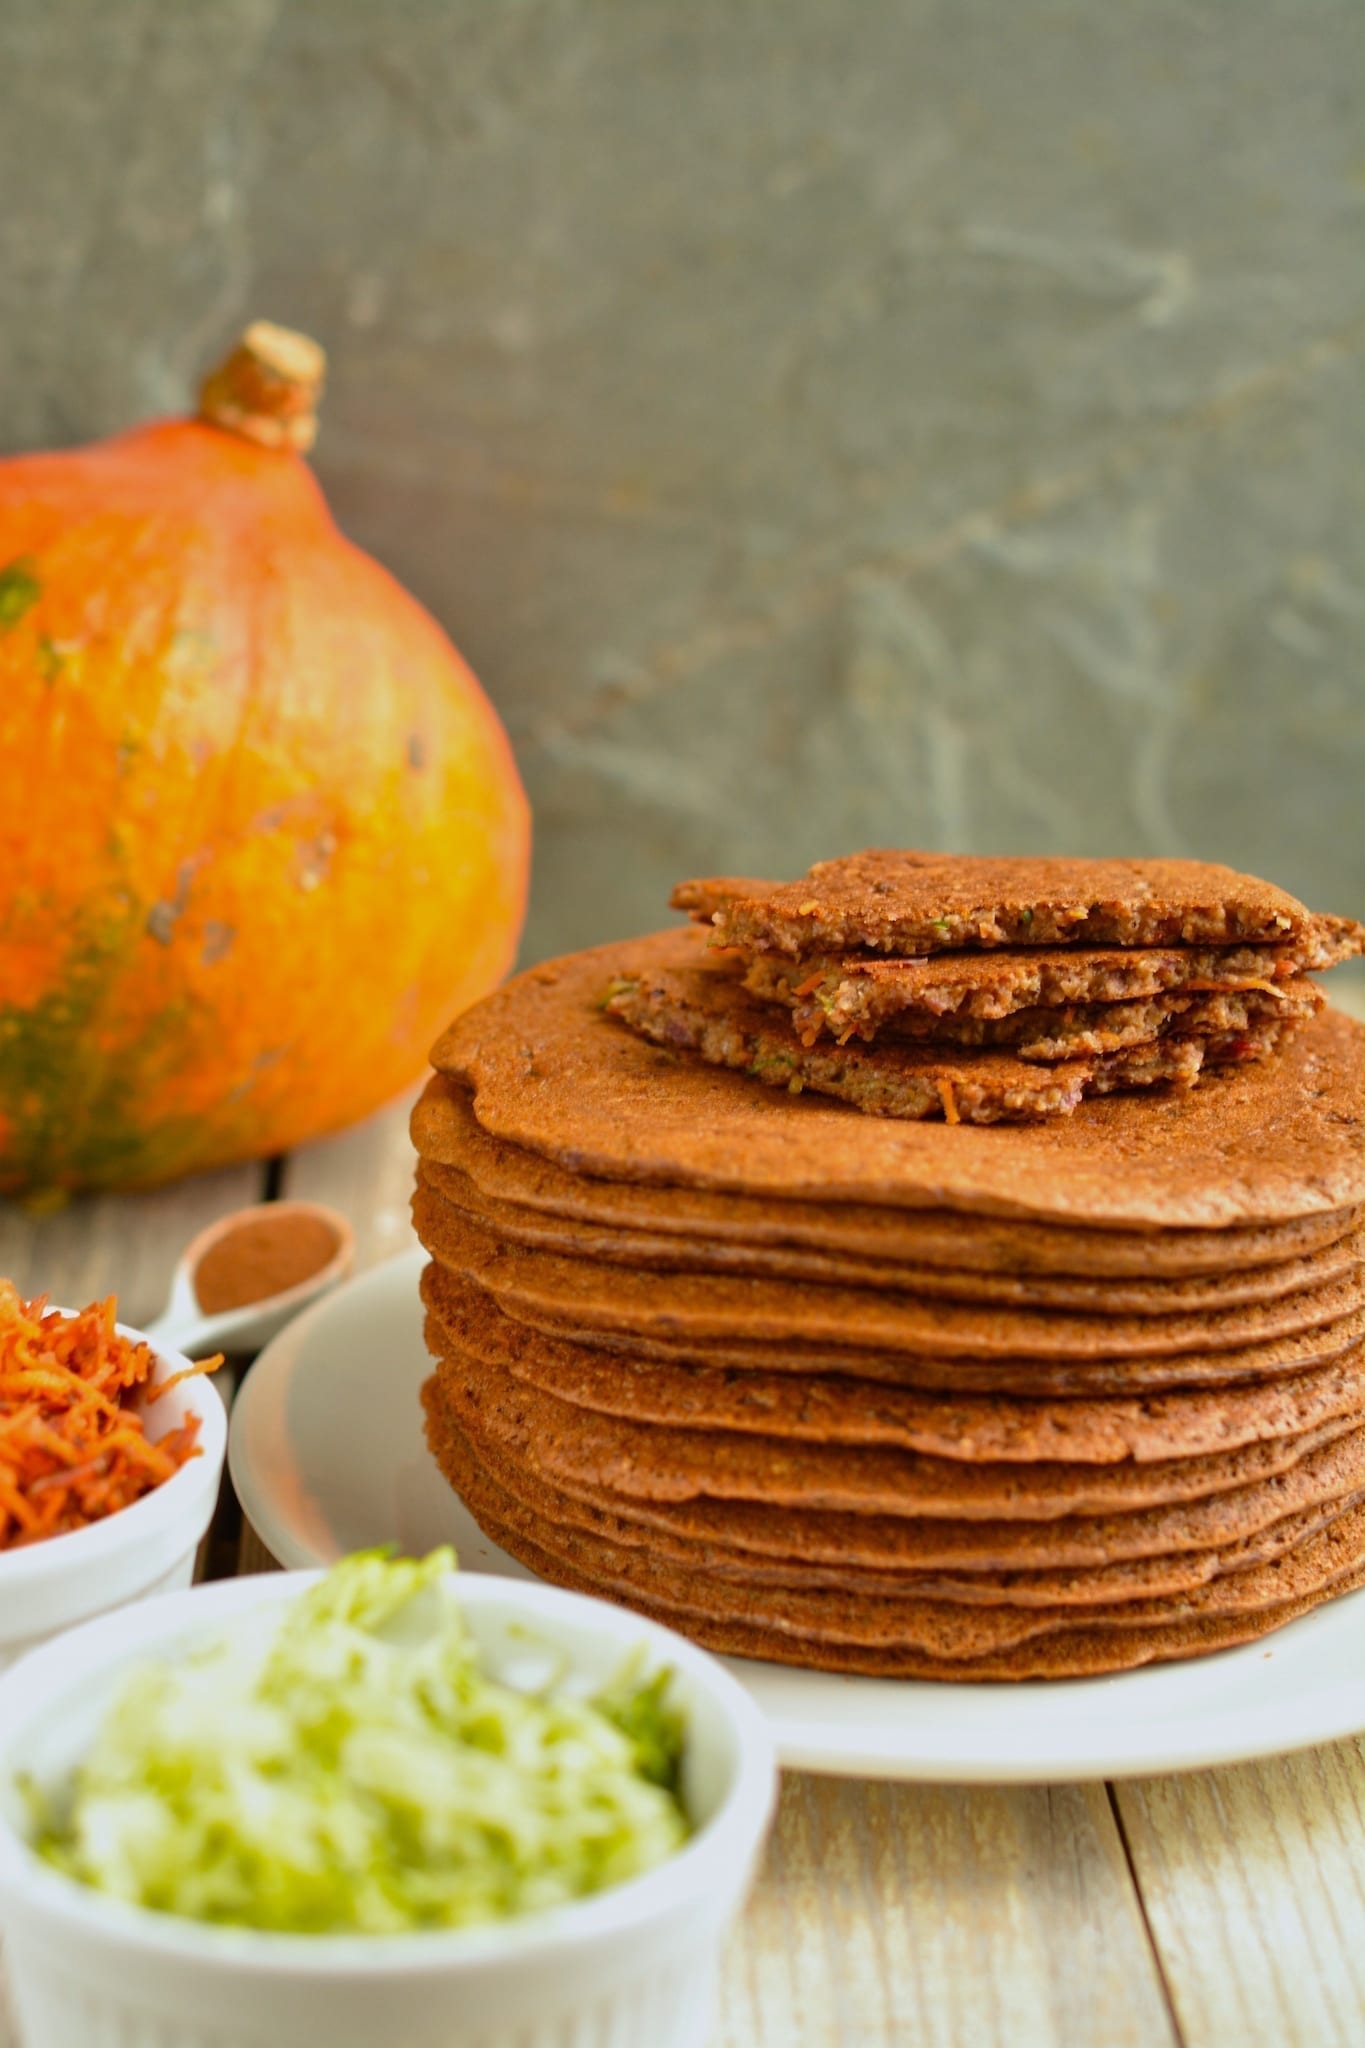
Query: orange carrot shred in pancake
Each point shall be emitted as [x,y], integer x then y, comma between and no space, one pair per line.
[71,1452]
[949,1101]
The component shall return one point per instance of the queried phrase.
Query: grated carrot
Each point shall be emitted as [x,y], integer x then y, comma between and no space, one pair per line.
[71,1451]
[1203,986]
[949,1101]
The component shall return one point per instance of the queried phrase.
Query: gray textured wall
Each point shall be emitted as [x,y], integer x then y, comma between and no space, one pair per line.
[925,421]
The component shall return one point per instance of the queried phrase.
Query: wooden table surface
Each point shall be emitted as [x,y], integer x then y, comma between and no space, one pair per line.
[1217,1909]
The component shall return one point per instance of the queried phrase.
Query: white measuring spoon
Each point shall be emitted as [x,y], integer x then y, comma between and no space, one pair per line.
[184,1325]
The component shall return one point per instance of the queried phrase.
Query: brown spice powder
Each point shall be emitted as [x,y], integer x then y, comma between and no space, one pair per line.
[262,1256]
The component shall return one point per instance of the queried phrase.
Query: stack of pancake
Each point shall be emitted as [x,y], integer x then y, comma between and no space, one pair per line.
[1012,1400]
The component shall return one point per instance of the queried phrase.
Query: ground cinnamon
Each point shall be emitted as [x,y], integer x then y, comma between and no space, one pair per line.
[262,1256]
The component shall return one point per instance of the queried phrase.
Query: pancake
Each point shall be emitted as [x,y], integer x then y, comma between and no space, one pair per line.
[584,1296]
[636,1461]
[1253,1145]
[1163,1573]
[759,1535]
[661,1253]
[1068,1649]
[913,903]
[949,1629]
[952,1627]
[1029,1377]
[1072,1031]
[446,1131]
[831,1409]
[850,991]
[702,1010]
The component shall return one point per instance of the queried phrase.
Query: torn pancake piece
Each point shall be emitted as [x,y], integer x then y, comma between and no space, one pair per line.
[911,903]
[703,1010]
[853,997]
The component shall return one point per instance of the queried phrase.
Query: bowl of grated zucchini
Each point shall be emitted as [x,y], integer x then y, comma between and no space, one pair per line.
[382,1803]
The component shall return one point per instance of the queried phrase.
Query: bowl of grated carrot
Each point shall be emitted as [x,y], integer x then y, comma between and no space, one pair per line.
[110,1458]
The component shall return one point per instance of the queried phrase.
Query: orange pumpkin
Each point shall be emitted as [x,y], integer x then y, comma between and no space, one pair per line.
[261,833]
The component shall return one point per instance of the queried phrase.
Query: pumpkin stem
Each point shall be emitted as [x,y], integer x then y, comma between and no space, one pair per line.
[268,388]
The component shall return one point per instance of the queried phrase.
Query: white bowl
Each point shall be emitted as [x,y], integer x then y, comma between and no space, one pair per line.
[631,1967]
[148,1547]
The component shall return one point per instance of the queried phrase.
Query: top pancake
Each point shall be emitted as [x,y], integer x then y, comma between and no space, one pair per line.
[1255,1145]
[915,903]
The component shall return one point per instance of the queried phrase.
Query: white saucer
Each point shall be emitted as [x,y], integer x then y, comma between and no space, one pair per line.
[327,1456]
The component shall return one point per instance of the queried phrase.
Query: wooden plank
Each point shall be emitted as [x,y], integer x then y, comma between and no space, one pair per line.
[252,1555]
[118,1244]
[944,1915]
[365,1172]
[1253,1881]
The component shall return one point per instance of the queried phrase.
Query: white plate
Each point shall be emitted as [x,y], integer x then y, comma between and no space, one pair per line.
[327,1456]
